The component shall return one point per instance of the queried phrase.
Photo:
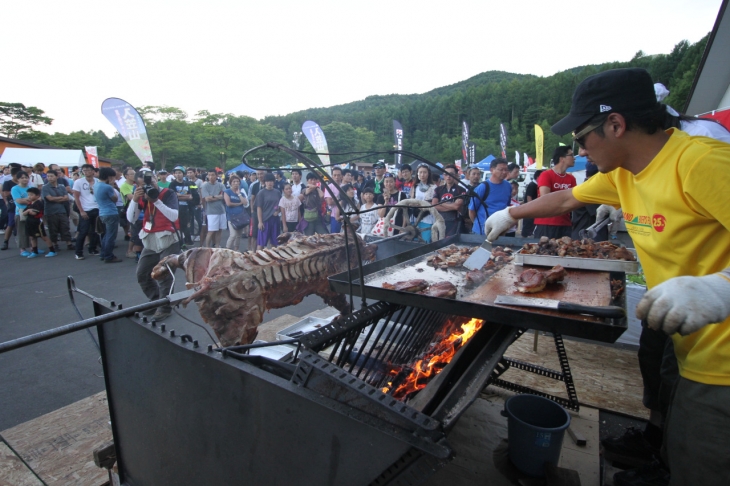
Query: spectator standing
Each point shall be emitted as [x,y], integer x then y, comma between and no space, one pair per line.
[449,199]
[390,197]
[424,191]
[36,175]
[83,190]
[405,182]
[267,210]
[126,190]
[377,182]
[332,194]
[159,237]
[106,198]
[368,217]
[162,179]
[528,224]
[289,205]
[55,198]
[255,187]
[494,193]
[236,207]
[513,172]
[21,200]
[279,181]
[197,209]
[188,198]
[473,179]
[313,218]
[10,204]
[348,201]
[554,180]
[34,224]
[215,209]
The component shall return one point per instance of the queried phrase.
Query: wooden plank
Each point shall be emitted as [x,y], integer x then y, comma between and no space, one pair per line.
[58,446]
[12,470]
[605,377]
[579,286]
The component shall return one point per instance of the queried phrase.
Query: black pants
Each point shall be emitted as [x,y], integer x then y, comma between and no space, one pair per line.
[87,227]
[186,223]
[198,216]
[3,214]
[658,366]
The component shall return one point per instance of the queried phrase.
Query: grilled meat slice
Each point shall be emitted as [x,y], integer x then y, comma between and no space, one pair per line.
[445,290]
[415,285]
[531,281]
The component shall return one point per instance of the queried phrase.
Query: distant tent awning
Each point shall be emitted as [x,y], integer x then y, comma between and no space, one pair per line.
[243,166]
[484,163]
[580,164]
[31,156]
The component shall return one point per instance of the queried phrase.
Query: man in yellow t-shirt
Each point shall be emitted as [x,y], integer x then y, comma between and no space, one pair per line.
[669,186]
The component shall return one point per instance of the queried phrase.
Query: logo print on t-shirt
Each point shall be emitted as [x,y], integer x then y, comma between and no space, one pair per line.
[659,222]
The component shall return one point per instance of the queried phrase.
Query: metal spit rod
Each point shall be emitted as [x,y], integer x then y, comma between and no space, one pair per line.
[172,299]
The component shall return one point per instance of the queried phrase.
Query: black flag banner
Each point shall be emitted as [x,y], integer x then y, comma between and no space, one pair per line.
[465,143]
[398,136]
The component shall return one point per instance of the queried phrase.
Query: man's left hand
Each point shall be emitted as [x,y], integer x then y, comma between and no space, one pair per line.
[686,304]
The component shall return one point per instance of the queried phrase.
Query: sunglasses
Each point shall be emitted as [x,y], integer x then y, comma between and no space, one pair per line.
[580,137]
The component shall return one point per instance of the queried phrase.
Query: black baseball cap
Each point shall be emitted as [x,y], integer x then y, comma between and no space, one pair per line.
[381,165]
[614,90]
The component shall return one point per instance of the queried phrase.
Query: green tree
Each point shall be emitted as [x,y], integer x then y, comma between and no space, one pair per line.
[16,118]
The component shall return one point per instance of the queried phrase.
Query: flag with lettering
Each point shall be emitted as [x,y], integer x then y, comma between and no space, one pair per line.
[472,153]
[503,139]
[539,137]
[398,138]
[316,138]
[92,157]
[130,126]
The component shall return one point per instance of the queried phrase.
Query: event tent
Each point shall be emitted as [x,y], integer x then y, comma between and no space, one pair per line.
[31,156]
[484,163]
[243,166]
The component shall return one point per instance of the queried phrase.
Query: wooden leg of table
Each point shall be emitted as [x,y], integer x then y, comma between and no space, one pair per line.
[534,343]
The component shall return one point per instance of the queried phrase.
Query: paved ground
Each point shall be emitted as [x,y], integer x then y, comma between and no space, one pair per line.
[44,377]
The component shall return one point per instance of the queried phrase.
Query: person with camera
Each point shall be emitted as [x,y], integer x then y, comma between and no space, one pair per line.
[158,235]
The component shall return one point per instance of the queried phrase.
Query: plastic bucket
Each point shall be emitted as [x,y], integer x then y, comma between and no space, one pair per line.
[535,430]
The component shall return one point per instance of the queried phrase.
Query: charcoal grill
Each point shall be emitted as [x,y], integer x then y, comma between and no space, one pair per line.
[185,414]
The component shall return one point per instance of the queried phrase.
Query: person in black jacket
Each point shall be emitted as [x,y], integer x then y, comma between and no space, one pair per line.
[188,198]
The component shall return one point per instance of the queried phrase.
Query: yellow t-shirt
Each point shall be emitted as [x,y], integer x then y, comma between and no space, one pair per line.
[677,214]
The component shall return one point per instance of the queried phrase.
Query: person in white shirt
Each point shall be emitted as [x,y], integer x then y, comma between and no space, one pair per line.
[83,191]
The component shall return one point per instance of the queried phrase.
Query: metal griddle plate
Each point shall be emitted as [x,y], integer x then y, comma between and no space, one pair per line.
[469,303]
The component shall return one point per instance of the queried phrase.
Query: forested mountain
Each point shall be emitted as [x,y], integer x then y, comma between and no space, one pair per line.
[431,121]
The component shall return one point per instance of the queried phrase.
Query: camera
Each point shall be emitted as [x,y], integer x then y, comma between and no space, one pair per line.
[149,189]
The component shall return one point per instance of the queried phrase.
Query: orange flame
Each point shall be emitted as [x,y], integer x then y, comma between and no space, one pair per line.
[436,359]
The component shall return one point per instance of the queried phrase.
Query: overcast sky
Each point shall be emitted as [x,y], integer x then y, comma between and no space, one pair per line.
[274,57]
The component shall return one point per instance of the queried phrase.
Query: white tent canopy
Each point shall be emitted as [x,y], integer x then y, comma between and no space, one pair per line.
[31,156]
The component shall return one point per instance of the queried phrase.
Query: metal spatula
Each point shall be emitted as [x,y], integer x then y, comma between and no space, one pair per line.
[481,256]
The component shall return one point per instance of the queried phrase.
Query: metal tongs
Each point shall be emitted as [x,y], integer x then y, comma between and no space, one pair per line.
[592,231]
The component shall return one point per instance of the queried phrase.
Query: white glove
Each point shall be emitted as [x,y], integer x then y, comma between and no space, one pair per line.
[498,223]
[686,304]
[604,211]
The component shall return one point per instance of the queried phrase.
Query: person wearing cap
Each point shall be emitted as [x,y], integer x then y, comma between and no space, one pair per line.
[162,180]
[681,231]
[448,200]
[187,199]
[377,182]
[312,220]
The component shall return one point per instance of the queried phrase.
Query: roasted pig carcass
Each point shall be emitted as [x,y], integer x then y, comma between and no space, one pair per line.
[445,290]
[415,285]
[233,289]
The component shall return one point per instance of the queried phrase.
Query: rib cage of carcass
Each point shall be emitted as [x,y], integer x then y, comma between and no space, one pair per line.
[233,289]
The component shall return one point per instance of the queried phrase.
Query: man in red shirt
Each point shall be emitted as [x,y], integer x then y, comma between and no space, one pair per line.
[553,180]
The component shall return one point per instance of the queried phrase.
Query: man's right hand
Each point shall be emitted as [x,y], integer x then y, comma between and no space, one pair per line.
[83,214]
[138,194]
[498,223]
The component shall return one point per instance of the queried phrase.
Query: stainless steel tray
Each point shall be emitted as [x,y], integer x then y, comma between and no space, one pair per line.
[279,353]
[308,324]
[579,263]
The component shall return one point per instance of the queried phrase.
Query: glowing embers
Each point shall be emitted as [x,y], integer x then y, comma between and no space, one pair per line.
[408,381]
